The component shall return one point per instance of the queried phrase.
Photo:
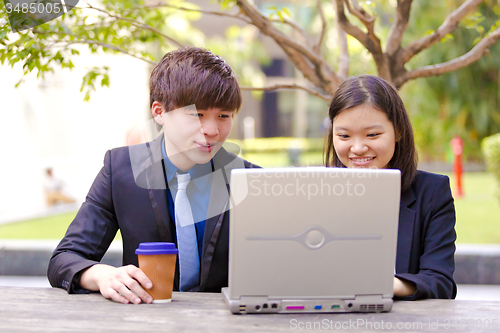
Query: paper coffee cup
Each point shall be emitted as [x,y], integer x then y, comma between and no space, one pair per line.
[157,260]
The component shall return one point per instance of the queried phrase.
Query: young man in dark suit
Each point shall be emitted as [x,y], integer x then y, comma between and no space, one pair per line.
[194,97]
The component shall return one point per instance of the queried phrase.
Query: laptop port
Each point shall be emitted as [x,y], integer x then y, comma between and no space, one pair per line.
[295,307]
[257,307]
[335,306]
[274,306]
[264,306]
[243,308]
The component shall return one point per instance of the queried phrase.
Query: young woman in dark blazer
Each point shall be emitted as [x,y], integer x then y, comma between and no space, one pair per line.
[370,128]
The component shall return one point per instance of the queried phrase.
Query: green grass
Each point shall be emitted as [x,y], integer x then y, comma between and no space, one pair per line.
[50,227]
[478,214]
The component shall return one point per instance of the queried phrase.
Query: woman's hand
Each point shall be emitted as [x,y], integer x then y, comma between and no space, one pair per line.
[403,287]
[123,284]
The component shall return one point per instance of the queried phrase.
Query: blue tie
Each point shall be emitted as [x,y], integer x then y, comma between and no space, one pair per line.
[189,258]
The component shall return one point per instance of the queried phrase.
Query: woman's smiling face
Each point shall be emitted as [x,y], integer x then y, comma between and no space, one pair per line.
[363,137]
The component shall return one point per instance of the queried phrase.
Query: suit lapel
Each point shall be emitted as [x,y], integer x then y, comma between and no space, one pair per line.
[213,226]
[219,197]
[223,163]
[209,241]
[405,231]
[157,188]
[158,200]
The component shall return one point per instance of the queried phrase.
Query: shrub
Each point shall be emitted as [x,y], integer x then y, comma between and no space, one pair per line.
[272,145]
[279,151]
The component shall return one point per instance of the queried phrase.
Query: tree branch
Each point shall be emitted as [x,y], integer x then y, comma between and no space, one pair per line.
[311,91]
[317,47]
[238,16]
[473,55]
[209,12]
[369,40]
[353,30]
[450,24]
[320,74]
[367,20]
[398,27]
[302,64]
[91,42]
[296,27]
[344,59]
[360,13]
[265,26]
[137,24]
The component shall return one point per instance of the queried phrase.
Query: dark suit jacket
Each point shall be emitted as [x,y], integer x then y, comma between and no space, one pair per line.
[426,237]
[130,194]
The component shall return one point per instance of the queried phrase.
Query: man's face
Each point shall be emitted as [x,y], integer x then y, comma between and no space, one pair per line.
[195,136]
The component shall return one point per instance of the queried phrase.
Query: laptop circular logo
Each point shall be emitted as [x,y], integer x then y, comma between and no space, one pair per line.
[315,238]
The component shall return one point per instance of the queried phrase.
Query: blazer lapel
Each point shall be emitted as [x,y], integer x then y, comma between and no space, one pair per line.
[405,231]
[157,188]
[218,205]
[158,200]
[210,237]
[223,163]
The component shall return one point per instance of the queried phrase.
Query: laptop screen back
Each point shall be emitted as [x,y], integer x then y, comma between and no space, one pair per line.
[313,232]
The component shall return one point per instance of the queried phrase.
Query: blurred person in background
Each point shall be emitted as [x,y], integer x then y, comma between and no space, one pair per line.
[55,189]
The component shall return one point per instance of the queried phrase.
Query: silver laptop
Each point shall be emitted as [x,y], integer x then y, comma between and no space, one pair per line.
[312,239]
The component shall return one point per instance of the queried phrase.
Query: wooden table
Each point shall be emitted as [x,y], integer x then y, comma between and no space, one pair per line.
[53,310]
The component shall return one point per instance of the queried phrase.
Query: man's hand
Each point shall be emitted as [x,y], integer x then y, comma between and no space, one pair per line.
[403,288]
[124,284]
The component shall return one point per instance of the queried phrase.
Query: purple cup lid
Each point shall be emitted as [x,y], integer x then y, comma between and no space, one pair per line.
[156,248]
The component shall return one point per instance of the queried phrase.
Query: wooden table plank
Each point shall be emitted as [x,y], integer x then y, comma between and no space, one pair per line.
[53,310]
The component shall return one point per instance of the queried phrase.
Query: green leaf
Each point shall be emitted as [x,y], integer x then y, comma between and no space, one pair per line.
[105,80]
[494,27]
[282,19]
[89,80]
[31,65]
[3,34]
[447,37]
[225,4]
